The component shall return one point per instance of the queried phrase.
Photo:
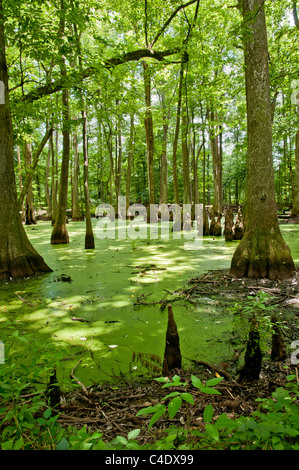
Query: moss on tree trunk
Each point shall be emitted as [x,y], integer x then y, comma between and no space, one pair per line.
[262,255]
[262,252]
[18,258]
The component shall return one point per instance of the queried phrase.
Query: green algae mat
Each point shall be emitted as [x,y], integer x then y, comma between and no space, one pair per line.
[90,306]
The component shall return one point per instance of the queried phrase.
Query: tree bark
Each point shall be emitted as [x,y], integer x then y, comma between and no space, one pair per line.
[18,258]
[217,164]
[177,226]
[262,251]
[186,167]
[59,233]
[54,178]
[20,183]
[250,372]
[29,209]
[118,162]
[89,237]
[48,195]
[295,208]
[149,131]
[130,158]
[76,212]
[163,167]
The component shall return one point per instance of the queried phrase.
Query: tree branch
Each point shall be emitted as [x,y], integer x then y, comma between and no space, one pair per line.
[145,22]
[72,78]
[180,7]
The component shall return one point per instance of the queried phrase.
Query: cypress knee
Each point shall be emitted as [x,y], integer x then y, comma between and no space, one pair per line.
[253,356]
[278,352]
[172,354]
[228,226]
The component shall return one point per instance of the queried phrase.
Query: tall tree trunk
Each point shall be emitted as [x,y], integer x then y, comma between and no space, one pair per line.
[89,237]
[217,165]
[262,251]
[177,225]
[295,208]
[186,168]
[205,217]
[54,177]
[130,158]
[163,168]
[20,182]
[59,232]
[118,163]
[29,209]
[76,212]
[149,137]
[18,258]
[176,137]
[48,193]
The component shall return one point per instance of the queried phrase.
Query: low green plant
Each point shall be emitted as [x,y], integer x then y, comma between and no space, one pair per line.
[26,421]
[274,426]
[260,307]
[177,398]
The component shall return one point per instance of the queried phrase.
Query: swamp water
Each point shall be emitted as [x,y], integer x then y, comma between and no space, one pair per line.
[93,317]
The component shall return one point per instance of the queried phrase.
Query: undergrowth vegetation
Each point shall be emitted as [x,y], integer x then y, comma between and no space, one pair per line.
[30,420]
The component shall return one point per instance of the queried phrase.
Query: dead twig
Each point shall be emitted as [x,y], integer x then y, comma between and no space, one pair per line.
[77,380]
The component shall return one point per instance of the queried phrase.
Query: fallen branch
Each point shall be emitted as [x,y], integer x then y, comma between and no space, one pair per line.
[77,380]
[213,368]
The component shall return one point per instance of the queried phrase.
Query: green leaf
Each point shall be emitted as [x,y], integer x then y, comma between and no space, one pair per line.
[62,445]
[155,417]
[208,413]
[120,440]
[172,394]
[133,434]
[7,445]
[18,444]
[86,445]
[47,413]
[96,435]
[212,382]
[209,390]
[212,431]
[162,379]
[196,382]
[223,422]
[187,397]
[276,443]
[150,409]
[174,406]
